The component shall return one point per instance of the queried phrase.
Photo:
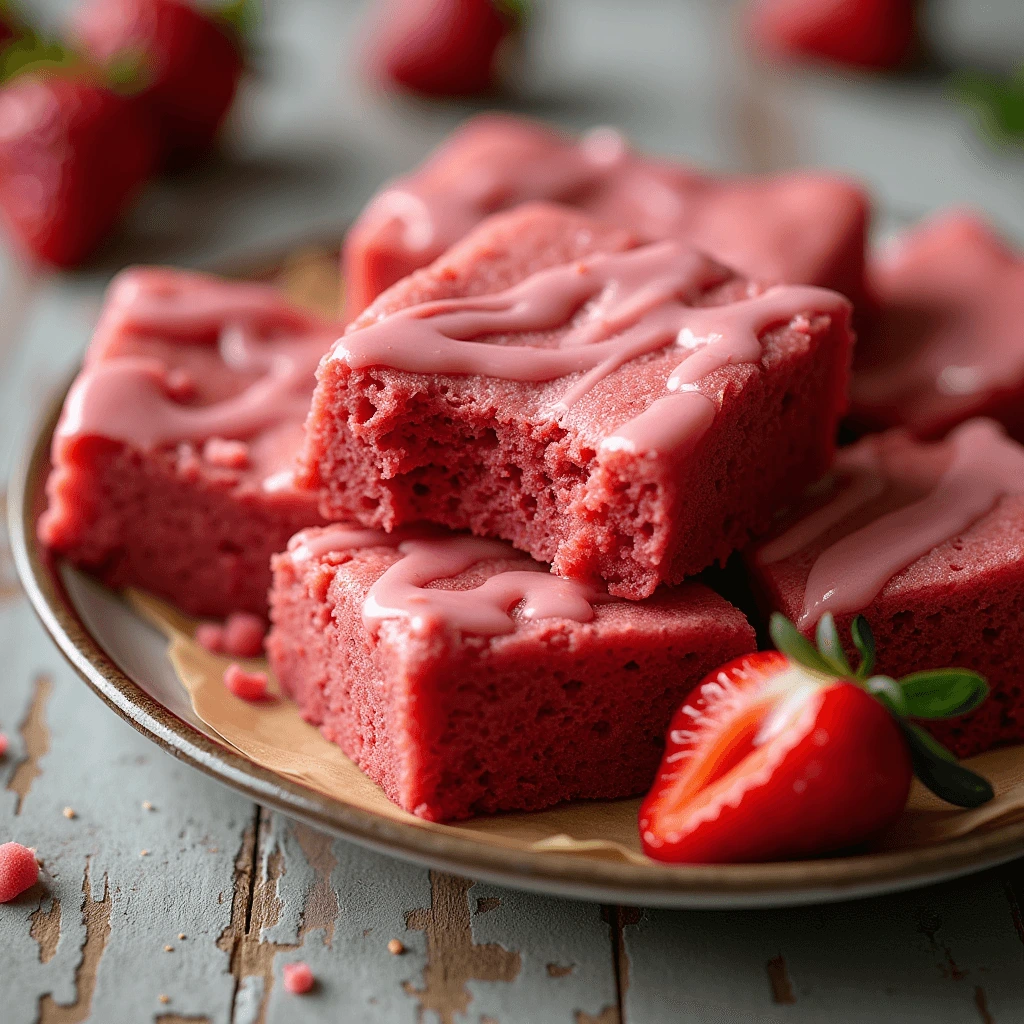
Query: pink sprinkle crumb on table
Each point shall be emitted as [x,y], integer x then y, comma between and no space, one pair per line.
[247,685]
[243,635]
[18,870]
[298,978]
[3,744]
[210,636]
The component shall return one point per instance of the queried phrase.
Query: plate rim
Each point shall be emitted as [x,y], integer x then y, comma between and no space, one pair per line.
[566,874]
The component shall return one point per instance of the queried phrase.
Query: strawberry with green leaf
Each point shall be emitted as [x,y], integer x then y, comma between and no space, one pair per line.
[186,61]
[74,152]
[793,753]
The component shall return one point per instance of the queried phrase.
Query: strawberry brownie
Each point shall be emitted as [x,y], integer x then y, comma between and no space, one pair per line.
[799,227]
[947,344]
[926,541]
[464,678]
[629,412]
[173,458]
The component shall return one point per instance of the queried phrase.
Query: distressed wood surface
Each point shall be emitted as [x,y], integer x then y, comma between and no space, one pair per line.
[166,897]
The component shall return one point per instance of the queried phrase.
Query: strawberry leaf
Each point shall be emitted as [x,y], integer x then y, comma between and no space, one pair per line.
[864,641]
[943,693]
[516,11]
[942,773]
[830,646]
[242,17]
[889,692]
[792,643]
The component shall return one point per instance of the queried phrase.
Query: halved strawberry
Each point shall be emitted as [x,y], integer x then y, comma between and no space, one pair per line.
[791,753]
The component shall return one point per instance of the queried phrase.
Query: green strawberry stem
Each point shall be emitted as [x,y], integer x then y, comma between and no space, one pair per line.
[242,17]
[998,101]
[937,693]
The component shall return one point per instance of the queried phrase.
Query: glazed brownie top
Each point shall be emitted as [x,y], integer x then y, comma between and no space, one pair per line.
[949,336]
[629,345]
[424,579]
[780,228]
[893,502]
[215,370]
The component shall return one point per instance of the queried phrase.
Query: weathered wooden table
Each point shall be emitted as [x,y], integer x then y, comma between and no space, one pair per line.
[166,897]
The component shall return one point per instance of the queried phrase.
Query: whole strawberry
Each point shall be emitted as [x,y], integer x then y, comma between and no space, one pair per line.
[874,34]
[440,47]
[188,63]
[792,753]
[73,154]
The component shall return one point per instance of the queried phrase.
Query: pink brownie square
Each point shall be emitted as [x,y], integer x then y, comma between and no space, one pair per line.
[800,227]
[465,679]
[947,344]
[630,413]
[174,455]
[927,542]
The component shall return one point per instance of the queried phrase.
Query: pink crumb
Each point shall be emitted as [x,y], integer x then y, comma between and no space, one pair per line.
[181,385]
[210,636]
[3,744]
[298,978]
[247,685]
[18,870]
[226,454]
[243,635]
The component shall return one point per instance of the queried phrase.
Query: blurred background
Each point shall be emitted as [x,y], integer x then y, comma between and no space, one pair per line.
[314,130]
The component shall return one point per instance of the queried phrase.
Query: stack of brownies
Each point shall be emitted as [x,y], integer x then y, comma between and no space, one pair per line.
[571,379]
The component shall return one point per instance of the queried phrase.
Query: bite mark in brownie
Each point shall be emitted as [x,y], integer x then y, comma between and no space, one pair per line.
[630,413]
[927,542]
[465,679]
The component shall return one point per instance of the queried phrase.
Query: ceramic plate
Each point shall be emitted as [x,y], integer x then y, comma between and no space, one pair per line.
[124,659]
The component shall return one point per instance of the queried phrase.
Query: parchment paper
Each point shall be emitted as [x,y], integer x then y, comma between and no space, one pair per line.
[274,735]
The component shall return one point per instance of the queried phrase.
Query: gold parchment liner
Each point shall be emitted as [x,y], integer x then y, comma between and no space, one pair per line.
[274,735]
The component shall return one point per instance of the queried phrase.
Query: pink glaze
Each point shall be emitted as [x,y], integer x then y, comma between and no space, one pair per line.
[404,590]
[18,870]
[452,723]
[3,744]
[210,636]
[948,344]
[243,635]
[549,463]
[144,402]
[637,305]
[173,457]
[251,686]
[984,466]
[298,978]
[798,228]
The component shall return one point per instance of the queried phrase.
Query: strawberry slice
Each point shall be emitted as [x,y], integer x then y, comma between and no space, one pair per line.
[791,753]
